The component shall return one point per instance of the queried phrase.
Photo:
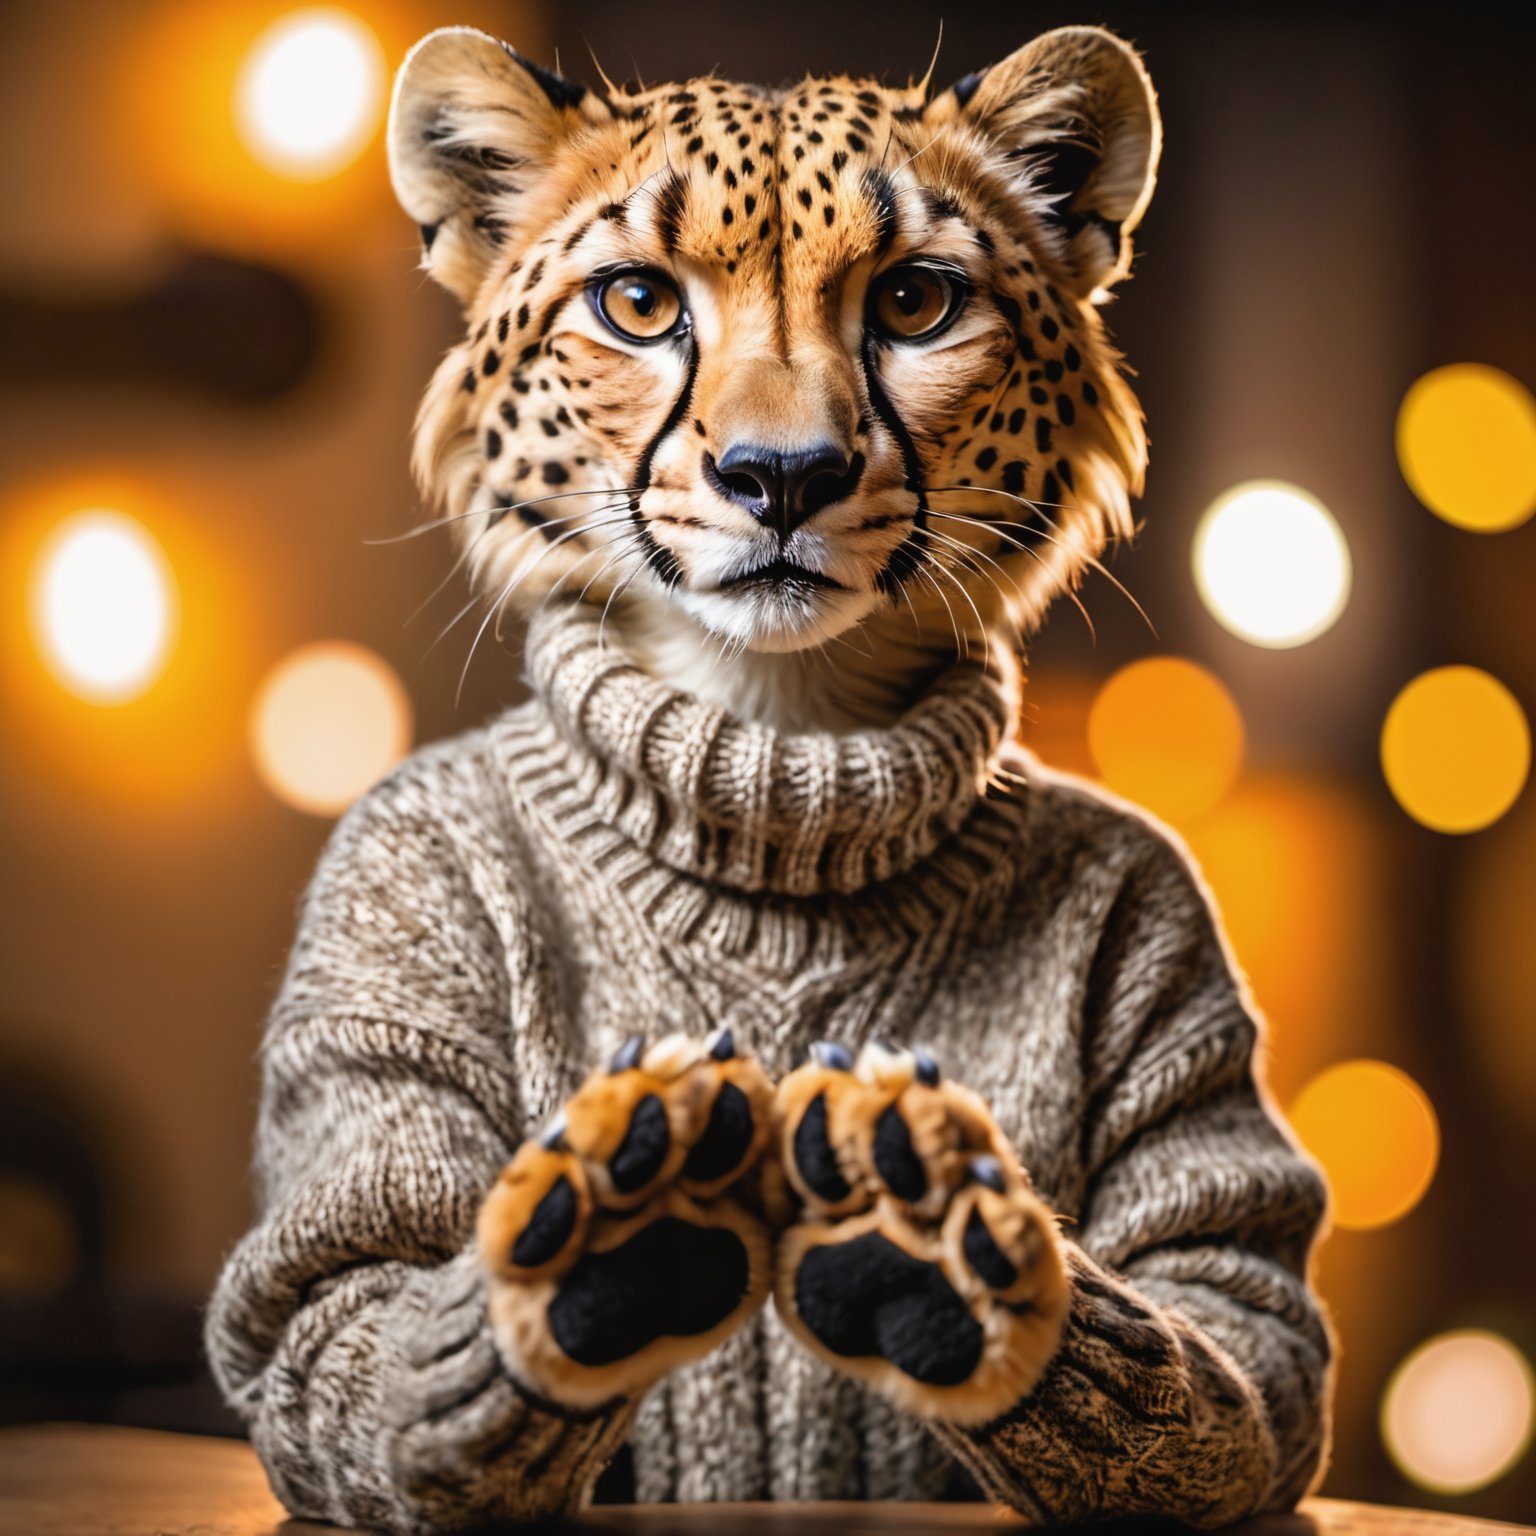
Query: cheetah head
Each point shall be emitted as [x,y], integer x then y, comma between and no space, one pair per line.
[754,370]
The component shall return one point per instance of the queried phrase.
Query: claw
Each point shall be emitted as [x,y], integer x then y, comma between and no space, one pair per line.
[988,1171]
[628,1055]
[552,1137]
[723,1046]
[835,1057]
[927,1067]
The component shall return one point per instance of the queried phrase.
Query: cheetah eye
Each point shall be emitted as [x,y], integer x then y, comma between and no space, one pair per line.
[639,306]
[913,303]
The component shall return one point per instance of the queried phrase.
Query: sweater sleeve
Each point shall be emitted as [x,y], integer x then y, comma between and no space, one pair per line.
[349,1327]
[1192,1380]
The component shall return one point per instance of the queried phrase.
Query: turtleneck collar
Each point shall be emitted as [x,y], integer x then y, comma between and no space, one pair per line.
[738,804]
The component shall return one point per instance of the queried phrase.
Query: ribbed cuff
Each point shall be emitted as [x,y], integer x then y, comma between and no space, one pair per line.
[466,1442]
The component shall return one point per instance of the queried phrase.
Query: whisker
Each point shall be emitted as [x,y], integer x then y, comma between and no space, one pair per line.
[516,506]
[1038,507]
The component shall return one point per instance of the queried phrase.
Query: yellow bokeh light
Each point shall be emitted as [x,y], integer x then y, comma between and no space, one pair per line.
[1374,1131]
[103,606]
[1271,564]
[1165,733]
[1455,749]
[329,721]
[1458,1412]
[310,93]
[1466,443]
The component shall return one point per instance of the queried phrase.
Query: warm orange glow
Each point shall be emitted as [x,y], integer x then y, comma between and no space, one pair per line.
[103,606]
[1165,733]
[1458,1412]
[1298,869]
[1455,749]
[329,721]
[1374,1131]
[1496,961]
[310,93]
[1466,443]
[180,740]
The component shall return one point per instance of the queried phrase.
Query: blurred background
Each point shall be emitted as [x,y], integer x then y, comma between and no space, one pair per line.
[212,339]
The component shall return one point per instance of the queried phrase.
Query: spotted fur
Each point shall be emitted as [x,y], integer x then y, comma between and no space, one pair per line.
[993,461]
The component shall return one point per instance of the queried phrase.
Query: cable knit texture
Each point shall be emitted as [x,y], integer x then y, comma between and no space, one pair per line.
[613,856]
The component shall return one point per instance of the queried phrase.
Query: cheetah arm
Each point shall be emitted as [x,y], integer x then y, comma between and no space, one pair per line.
[1193,1375]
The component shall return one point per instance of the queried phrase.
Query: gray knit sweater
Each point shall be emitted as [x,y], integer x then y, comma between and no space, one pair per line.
[614,855]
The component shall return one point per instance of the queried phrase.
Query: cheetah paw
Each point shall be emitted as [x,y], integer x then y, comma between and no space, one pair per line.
[616,1247]
[923,1263]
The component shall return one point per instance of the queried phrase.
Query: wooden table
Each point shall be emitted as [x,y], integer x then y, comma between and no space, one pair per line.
[76,1480]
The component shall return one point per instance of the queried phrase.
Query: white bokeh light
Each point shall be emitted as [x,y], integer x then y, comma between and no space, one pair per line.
[1271,563]
[310,93]
[1458,1411]
[103,606]
[329,721]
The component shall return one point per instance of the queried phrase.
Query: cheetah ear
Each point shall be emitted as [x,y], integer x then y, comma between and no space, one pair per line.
[471,124]
[1076,112]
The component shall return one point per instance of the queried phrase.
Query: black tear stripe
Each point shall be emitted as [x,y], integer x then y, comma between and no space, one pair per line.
[903,562]
[658,557]
[882,192]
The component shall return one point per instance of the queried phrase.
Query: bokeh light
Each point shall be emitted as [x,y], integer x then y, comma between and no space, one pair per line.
[1458,1412]
[1271,563]
[1166,734]
[310,93]
[1374,1131]
[1466,443]
[103,606]
[329,721]
[1455,749]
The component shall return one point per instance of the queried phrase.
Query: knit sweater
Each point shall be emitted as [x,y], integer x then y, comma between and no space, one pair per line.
[613,856]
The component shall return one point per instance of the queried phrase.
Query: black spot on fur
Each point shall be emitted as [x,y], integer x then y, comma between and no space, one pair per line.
[1042,434]
[555,474]
[1013,476]
[1066,412]
[814,1156]
[1016,421]
[1049,329]
[987,457]
[867,1297]
[492,442]
[726,1138]
[644,1148]
[549,1228]
[670,1280]
[1050,491]
[1090,394]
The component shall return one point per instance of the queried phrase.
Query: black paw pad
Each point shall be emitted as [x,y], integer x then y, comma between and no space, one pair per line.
[985,1257]
[644,1148]
[549,1228]
[814,1155]
[726,1138]
[895,1160]
[671,1279]
[869,1297]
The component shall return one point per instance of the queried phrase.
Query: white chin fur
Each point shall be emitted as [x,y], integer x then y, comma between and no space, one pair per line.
[775,621]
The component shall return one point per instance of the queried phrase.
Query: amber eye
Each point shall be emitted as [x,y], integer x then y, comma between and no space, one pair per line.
[640,306]
[912,303]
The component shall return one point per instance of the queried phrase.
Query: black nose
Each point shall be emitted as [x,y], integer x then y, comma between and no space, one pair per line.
[783,489]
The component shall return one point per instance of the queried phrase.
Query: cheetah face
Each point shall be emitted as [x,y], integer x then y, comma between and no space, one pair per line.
[784,362]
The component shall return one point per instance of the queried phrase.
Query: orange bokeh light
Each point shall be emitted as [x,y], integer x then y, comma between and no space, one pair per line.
[1374,1131]
[1166,734]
